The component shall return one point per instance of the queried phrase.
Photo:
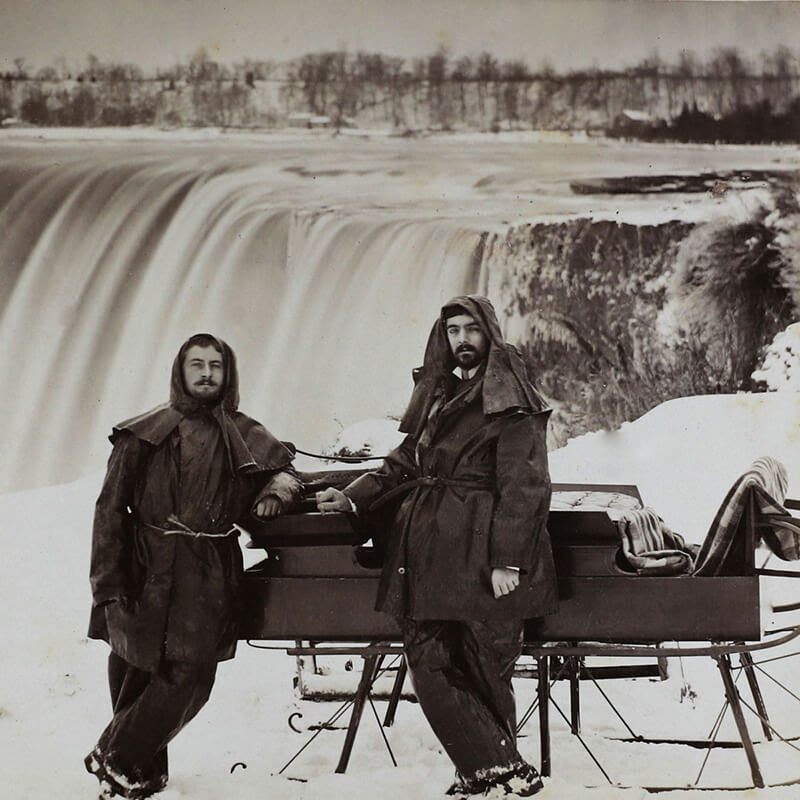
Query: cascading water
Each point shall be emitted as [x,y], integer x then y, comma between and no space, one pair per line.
[323,261]
[108,265]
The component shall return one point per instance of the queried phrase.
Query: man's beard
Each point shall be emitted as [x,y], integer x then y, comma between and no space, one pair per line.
[467,356]
[206,391]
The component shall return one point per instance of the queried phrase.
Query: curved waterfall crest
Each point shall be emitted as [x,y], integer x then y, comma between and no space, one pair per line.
[109,266]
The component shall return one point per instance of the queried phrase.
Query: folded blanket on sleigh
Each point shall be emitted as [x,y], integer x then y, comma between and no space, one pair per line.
[652,548]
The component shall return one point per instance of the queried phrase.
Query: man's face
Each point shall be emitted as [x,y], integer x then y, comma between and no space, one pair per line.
[203,373]
[467,341]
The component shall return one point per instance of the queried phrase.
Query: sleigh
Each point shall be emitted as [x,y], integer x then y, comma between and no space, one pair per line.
[317,585]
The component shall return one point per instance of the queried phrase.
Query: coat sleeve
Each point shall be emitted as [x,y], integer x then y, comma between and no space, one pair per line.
[399,466]
[283,484]
[112,533]
[523,492]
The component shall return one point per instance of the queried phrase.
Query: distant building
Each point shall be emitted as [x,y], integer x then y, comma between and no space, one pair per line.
[304,119]
[635,124]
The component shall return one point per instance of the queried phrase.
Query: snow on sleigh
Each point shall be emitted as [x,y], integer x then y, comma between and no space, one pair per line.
[631,595]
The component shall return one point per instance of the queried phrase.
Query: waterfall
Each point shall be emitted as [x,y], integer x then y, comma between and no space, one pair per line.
[109,265]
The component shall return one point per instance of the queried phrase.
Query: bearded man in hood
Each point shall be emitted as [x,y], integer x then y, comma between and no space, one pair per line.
[166,565]
[468,558]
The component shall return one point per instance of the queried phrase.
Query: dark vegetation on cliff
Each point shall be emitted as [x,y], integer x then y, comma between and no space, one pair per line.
[758,123]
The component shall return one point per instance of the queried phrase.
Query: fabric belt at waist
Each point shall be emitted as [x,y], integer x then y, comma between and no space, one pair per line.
[428,482]
[180,529]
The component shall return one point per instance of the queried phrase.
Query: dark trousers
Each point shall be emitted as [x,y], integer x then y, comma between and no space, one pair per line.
[461,672]
[150,709]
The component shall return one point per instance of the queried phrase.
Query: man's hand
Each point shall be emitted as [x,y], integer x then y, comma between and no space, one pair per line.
[504,581]
[268,507]
[331,499]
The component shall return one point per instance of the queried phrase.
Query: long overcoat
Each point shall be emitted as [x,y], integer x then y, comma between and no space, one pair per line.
[483,502]
[164,594]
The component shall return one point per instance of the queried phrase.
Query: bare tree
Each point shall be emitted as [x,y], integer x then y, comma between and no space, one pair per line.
[344,80]
[369,74]
[95,67]
[47,74]
[688,70]
[309,75]
[397,79]
[437,96]
[486,73]
[418,82]
[728,68]
[462,74]
[63,70]
[777,71]
[515,74]
[542,113]
[655,69]
[203,69]
[20,71]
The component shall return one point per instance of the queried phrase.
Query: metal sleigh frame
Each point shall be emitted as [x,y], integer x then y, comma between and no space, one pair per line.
[565,660]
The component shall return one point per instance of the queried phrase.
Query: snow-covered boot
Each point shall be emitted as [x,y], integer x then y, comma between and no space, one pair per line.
[457,792]
[94,763]
[524,782]
[107,791]
[128,787]
[115,781]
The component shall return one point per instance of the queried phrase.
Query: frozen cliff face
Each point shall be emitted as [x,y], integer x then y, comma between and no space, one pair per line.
[614,318]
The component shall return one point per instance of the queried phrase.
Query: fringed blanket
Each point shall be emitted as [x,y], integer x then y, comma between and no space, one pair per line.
[765,483]
[651,548]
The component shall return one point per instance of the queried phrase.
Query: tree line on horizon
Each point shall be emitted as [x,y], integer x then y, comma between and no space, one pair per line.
[434,92]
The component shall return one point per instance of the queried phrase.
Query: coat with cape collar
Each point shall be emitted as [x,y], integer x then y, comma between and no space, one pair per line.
[161,593]
[474,463]
[250,447]
[506,385]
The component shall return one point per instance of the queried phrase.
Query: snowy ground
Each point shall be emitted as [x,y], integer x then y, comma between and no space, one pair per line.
[53,703]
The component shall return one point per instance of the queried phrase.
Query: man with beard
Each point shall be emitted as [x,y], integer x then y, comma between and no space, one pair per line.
[166,565]
[468,558]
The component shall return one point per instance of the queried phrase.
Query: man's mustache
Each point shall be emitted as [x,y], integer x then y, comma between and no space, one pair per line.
[206,382]
[465,348]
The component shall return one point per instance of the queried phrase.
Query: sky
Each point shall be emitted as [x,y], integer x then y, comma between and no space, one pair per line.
[565,33]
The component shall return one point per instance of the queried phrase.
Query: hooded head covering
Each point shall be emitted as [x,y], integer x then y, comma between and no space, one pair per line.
[250,447]
[228,398]
[506,385]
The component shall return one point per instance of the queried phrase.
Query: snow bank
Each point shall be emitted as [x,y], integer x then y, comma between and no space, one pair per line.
[781,367]
[683,455]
